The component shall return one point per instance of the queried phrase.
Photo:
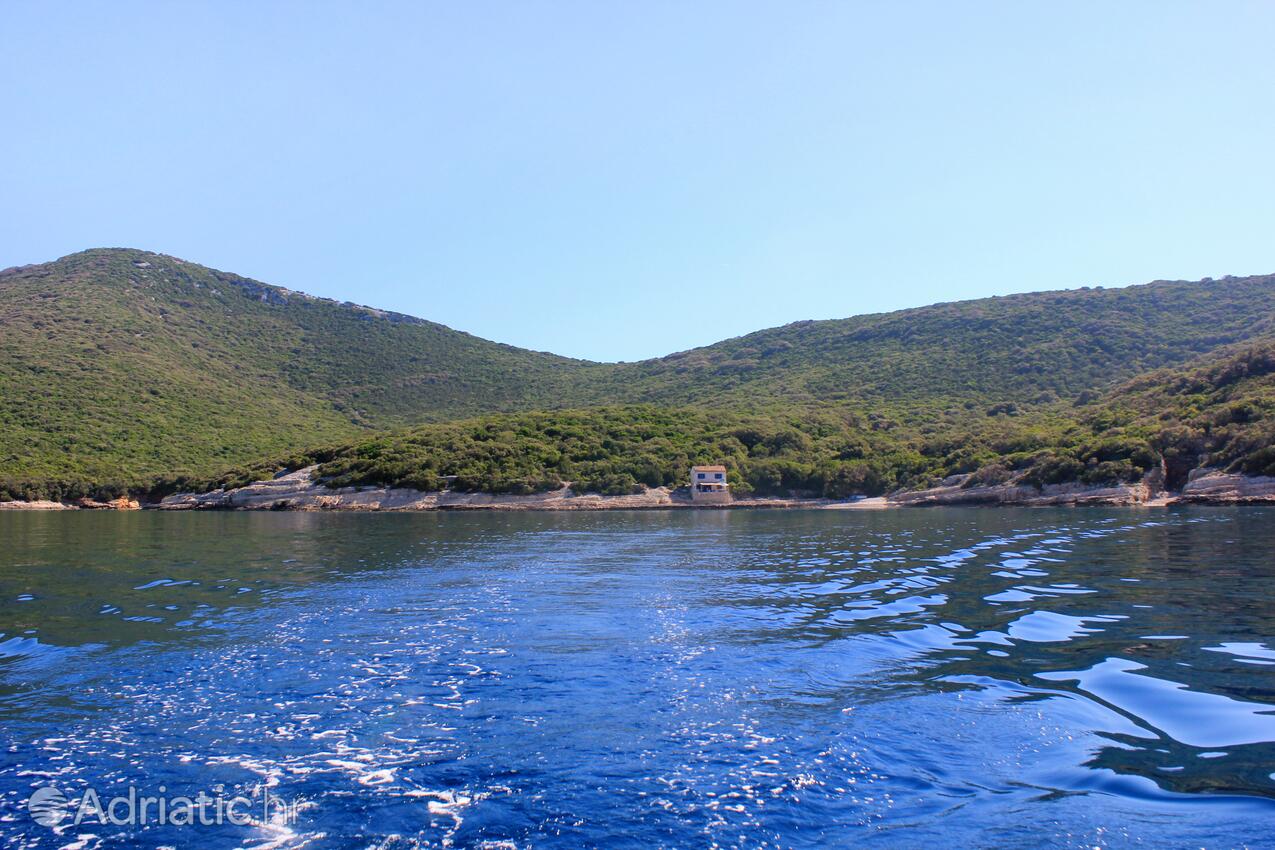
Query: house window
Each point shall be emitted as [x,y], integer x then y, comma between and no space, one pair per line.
[718,476]
[700,475]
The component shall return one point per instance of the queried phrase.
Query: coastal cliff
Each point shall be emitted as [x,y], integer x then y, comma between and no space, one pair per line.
[1211,486]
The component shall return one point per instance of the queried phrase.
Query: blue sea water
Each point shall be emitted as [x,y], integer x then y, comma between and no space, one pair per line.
[939,677]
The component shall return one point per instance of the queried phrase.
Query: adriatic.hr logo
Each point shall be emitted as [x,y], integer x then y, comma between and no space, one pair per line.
[49,807]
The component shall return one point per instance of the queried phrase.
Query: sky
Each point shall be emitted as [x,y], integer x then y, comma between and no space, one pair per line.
[617,181]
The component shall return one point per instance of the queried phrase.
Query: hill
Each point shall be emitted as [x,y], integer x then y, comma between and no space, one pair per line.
[120,367]
[116,364]
[1029,348]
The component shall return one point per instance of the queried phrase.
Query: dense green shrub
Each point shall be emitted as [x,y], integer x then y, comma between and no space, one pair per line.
[1110,472]
[1049,468]
[859,477]
[1260,462]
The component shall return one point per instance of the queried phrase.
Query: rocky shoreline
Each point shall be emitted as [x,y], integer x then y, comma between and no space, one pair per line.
[121,504]
[296,491]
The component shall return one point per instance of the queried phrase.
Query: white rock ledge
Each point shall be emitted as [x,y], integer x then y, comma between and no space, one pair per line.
[1211,486]
[297,492]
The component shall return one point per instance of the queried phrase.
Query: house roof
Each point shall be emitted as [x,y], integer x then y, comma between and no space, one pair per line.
[708,469]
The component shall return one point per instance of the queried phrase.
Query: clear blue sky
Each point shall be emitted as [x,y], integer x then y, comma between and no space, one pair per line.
[623,180]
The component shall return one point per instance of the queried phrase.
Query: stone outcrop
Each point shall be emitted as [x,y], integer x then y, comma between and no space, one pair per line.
[40,505]
[296,491]
[123,503]
[1212,486]
[1204,486]
[953,493]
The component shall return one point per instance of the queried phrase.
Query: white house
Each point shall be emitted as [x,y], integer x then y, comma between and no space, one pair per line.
[709,486]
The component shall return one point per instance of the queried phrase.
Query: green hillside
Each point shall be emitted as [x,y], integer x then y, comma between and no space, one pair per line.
[1027,348]
[1218,410]
[619,448]
[123,366]
[119,364]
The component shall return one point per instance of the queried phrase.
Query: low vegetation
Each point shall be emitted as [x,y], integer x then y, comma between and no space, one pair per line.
[1218,412]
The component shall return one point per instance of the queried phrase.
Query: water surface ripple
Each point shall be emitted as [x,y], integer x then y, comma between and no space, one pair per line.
[972,677]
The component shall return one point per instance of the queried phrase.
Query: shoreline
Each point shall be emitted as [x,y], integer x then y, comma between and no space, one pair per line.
[295,491]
